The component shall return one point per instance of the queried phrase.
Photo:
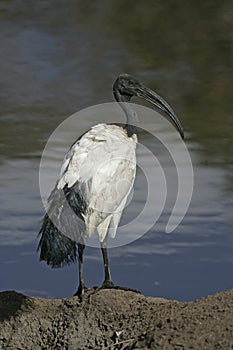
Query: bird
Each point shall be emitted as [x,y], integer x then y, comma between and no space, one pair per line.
[85,200]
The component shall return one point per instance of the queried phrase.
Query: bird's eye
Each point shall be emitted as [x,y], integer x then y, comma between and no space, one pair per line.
[122,87]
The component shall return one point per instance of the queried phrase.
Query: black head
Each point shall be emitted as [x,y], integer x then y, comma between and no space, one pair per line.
[126,86]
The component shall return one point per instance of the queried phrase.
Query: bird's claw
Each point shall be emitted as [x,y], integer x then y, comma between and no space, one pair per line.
[111,285]
[80,291]
[105,285]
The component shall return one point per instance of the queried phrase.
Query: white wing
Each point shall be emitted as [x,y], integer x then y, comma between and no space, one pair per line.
[102,165]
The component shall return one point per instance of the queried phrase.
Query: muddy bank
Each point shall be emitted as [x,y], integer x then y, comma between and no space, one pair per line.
[115,319]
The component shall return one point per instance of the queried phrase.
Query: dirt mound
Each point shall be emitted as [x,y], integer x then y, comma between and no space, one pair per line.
[115,319]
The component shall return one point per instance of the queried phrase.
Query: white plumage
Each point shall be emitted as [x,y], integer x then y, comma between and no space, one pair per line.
[103,162]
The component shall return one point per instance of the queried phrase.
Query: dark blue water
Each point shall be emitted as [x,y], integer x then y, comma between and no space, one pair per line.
[58,58]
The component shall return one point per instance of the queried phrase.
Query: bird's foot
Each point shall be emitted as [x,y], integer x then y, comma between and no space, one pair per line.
[111,285]
[80,291]
[105,285]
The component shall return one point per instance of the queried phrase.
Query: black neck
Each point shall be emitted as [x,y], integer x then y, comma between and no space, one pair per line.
[131,116]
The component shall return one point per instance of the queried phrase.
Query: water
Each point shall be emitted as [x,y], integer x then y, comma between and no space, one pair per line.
[58,58]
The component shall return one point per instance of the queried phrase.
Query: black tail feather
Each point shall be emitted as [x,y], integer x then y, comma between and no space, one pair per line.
[55,248]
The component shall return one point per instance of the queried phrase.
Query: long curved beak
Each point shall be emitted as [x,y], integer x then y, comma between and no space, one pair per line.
[151,96]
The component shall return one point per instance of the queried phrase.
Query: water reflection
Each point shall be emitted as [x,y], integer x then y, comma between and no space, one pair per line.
[57,58]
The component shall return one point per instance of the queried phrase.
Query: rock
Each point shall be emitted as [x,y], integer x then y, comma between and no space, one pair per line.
[115,319]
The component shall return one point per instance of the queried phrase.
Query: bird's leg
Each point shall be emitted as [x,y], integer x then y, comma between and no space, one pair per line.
[81,287]
[107,280]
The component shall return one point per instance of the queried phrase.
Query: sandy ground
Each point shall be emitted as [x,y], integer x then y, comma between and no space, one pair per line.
[115,319]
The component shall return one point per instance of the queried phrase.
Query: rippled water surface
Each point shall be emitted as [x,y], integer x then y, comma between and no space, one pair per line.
[57,58]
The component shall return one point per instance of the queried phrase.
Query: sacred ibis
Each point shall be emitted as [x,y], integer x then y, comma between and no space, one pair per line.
[87,182]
